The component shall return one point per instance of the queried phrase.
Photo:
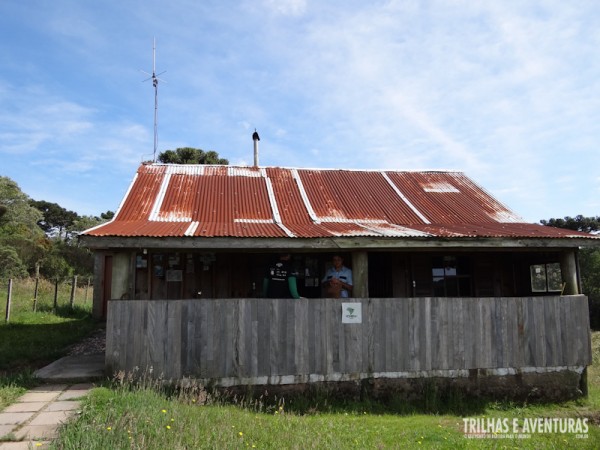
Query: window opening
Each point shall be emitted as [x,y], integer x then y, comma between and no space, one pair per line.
[546,277]
[451,276]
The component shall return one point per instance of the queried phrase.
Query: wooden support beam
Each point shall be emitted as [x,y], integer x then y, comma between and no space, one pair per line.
[360,274]
[568,268]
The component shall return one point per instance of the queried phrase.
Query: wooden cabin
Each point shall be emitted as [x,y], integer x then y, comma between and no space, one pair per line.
[449,284]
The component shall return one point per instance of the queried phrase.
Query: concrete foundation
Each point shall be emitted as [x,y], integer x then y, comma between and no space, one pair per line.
[546,386]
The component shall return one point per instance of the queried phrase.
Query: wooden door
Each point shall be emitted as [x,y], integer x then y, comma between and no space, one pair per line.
[107,288]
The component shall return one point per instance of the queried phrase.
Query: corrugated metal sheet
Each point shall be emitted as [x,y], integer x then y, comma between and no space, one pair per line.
[229,201]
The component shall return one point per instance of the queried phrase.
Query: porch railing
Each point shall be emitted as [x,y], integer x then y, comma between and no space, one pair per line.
[260,341]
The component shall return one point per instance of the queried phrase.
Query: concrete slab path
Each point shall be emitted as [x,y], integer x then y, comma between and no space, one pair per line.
[33,420]
[73,369]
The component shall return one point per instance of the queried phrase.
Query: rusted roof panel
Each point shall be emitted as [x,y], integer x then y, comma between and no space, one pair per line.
[450,198]
[167,200]
[141,196]
[287,195]
[355,195]
[508,230]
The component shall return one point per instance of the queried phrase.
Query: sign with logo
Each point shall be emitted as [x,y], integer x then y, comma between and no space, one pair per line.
[351,312]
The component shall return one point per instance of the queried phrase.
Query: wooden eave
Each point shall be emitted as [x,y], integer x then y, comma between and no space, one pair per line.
[346,243]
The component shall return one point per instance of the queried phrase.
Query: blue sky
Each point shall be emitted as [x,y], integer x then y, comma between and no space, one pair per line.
[507,92]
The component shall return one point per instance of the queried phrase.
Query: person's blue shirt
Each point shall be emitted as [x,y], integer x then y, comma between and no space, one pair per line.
[343,274]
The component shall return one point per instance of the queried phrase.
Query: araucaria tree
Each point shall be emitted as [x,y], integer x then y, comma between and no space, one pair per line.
[577,223]
[589,260]
[189,155]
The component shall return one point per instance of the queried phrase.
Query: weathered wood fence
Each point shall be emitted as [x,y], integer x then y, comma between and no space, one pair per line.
[24,294]
[281,341]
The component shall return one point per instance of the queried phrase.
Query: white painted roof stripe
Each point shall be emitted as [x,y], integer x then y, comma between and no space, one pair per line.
[403,197]
[154,213]
[191,230]
[286,230]
[391,230]
[345,220]
[173,217]
[307,205]
[440,187]
[273,202]
[185,169]
[253,221]
[242,172]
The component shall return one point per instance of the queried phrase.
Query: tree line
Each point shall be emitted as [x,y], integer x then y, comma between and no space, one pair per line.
[39,238]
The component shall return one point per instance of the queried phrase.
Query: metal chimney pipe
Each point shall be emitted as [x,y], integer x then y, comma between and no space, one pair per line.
[255,138]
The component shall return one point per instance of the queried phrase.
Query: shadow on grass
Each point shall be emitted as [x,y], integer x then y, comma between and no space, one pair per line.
[428,401]
[315,400]
[29,346]
[66,311]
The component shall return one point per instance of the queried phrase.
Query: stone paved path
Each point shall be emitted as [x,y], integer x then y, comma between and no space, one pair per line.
[33,420]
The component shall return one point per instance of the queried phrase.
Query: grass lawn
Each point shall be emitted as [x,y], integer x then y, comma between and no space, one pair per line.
[31,340]
[142,416]
[138,416]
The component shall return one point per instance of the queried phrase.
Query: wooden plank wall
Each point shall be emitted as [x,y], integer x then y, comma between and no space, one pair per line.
[251,338]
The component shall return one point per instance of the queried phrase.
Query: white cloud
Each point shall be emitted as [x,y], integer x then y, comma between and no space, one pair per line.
[505,91]
[286,7]
[64,135]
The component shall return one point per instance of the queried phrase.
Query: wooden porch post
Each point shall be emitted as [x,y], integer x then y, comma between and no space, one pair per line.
[120,286]
[360,274]
[568,268]
[98,293]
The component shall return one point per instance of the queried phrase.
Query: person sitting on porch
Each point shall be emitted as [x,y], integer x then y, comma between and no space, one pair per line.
[280,281]
[338,279]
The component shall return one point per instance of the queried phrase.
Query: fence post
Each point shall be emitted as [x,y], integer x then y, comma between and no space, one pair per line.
[35,294]
[55,295]
[73,286]
[8,299]
[87,287]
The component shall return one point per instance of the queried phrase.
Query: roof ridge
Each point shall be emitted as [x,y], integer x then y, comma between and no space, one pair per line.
[335,169]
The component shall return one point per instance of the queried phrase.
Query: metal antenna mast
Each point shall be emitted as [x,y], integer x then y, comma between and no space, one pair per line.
[155,79]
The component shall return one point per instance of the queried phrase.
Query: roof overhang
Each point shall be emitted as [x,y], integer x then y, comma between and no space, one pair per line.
[346,243]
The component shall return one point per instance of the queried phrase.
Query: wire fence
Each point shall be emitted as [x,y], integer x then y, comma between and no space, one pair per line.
[25,295]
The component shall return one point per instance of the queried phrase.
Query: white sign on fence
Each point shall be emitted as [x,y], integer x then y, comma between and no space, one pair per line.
[351,312]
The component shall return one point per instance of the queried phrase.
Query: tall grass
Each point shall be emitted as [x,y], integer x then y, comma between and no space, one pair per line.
[139,412]
[23,294]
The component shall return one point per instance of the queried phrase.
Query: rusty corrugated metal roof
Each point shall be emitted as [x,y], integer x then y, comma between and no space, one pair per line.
[168,200]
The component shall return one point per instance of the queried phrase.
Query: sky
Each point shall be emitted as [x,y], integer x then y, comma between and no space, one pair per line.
[507,92]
